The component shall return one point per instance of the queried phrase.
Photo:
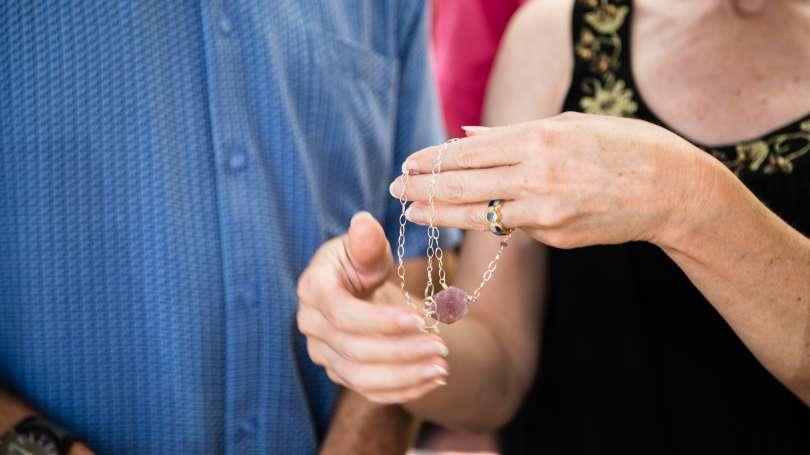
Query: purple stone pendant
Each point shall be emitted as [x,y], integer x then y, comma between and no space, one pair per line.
[452,304]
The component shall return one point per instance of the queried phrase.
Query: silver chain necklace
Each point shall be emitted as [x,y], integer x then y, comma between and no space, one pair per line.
[451,303]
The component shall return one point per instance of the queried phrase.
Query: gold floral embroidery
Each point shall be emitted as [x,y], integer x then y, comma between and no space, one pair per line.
[612,98]
[600,45]
[603,52]
[772,154]
[607,18]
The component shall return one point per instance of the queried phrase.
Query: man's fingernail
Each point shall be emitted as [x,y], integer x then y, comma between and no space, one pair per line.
[359,215]
[436,370]
[443,351]
[396,187]
[410,321]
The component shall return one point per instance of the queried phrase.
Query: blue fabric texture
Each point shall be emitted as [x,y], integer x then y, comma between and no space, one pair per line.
[167,169]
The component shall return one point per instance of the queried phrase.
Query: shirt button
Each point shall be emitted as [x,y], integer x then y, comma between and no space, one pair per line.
[237,161]
[225,25]
[246,295]
[249,425]
[245,429]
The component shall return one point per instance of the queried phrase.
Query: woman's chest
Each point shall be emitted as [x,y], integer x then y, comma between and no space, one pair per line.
[720,86]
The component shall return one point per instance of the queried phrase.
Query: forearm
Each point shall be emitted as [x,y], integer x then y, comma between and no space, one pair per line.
[361,427]
[754,270]
[493,351]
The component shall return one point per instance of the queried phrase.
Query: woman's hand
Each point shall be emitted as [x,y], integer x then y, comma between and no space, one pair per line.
[569,181]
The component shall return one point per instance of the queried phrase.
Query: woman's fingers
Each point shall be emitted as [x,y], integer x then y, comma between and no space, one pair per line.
[475,152]
[460,187]
[514,214]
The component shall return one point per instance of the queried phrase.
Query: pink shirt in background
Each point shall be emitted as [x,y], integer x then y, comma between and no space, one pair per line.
[466,34]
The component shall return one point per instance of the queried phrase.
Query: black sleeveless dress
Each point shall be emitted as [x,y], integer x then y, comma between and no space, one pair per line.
[634,358]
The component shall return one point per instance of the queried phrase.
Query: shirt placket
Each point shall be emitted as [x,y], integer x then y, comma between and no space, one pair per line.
[238,180]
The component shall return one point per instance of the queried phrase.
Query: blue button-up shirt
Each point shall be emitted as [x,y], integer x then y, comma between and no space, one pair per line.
[167,169]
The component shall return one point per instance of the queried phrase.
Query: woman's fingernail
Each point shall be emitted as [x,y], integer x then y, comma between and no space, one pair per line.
[410,168]
[413,214]
[441,381]
[471,130]
[410,321]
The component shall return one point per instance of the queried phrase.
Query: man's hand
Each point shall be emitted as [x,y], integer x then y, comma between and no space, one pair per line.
[356,325]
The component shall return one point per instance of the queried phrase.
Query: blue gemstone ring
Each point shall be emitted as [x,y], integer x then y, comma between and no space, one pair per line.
[494,218]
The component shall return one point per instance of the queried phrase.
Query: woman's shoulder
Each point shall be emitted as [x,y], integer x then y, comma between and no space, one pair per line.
[534,64]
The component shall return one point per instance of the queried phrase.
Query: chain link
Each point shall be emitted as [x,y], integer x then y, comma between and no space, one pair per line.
[490,270]
[401,242]
[433,250]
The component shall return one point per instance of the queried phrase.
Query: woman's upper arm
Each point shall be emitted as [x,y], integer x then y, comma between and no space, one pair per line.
[529,81]
[534,65]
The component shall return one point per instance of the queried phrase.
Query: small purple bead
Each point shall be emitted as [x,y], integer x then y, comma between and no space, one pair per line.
[452,304]
[504,244]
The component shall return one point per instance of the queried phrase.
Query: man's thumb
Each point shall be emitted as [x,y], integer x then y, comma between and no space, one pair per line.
[368,254]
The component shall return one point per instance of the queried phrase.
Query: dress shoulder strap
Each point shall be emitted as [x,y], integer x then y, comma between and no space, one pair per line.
[601,82]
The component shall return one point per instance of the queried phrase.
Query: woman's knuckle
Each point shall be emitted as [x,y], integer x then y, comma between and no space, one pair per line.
[475,218]
[455,189]
[465,158]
